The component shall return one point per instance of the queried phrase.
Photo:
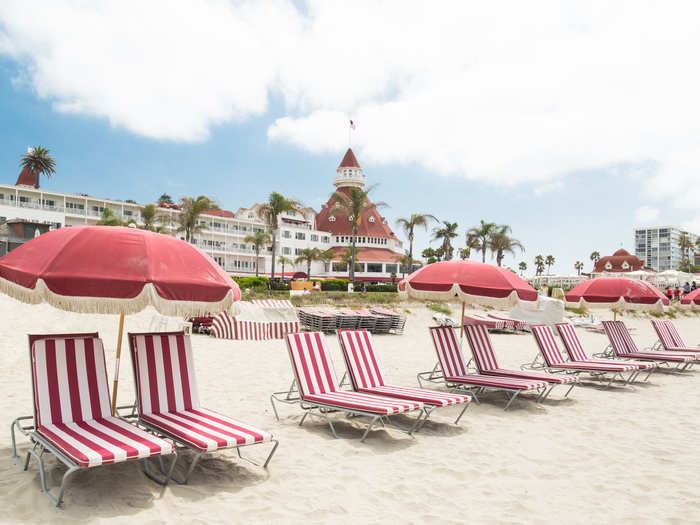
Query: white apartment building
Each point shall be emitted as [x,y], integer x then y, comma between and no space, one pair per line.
[658,247]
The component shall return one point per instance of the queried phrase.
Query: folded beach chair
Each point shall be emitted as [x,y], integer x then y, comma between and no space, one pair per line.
[366,375]
[168,401]
[554,360]
[486,363]
[315,388]
[622,345]
[577,354]
[670,340]
[72,414]
[451,369]
[511,324]
[482,320]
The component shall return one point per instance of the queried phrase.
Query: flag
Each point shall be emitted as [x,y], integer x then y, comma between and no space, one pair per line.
[352,125]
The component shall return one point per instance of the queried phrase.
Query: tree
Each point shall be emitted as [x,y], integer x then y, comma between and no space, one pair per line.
[354,205]
[500,243]
[578,266]
[276,205]
[108,218]
[685,245]
[483,233]
[190,210]
[326,256]
[446,233]
[549,261]
[149,216]
[403,261]
[409,225]
[539,265]
[39,162]
[473,243]
[595,257]
[433,255]
[283,261]
[259,239]
[308,255]
[165,199]
[522,266]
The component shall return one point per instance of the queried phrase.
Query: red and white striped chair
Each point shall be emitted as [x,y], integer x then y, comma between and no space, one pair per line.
[315,387]
[452,370]
[511,324]
[670,340]
[577,354]
[555,362]
[72,413]
[485,360]
[623,346]
[366,375]
[168,401]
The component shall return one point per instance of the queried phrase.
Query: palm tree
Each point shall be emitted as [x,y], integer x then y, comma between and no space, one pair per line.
[354,205]
[149,216]
[409,225]
[501,243]
[578,265]
[522,266]
[39,162]
[108,218]
[685,244]
[165,198]
[595,257]
[283,260]
[473,243]
[483,233]
[539,264]
[326,256]
[403,261]
[308,255]
[446,233]
[259,239]
[276,205]
[190,210]
[549,261]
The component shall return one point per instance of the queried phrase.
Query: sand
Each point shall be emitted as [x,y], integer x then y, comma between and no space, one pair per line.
[624,454]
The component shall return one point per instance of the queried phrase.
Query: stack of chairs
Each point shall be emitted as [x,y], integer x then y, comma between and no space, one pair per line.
[317,320]
[382,324]
[347,320]
[367,320]
[398,322]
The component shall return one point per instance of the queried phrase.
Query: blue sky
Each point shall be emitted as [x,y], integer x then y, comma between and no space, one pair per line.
[565,144]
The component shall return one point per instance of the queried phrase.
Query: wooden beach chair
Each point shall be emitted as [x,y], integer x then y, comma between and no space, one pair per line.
[451,370]
[485,360]
[623,346]
[670,340]
[72,413]
[365,373]
[167,399]
[315,388]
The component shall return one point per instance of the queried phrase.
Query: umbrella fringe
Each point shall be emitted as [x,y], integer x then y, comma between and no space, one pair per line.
[457,295]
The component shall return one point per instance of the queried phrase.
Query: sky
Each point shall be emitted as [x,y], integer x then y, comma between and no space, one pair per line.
[572,122]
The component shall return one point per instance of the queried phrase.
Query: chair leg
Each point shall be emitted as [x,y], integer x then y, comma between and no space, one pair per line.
[369,427]
[466,406]
[56,500]
[512,398]
[272,453]
[570,389]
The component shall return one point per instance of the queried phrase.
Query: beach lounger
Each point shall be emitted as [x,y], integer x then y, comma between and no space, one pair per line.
[485,360]
[554,360]
[622,345]
[451,369]
[577,354]
[510,323]
[482,320]
[72,413]
[366,375]
[670,340]
[167,399]
[315,388]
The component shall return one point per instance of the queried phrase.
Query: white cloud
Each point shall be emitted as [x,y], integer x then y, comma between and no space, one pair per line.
[646,214]
[548,187]
[505,92]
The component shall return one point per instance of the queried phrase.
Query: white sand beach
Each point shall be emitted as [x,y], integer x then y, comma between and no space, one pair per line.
[617,455]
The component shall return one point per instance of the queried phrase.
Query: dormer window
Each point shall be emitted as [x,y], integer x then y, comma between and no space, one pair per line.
[351,218]
[331,219]
[371,219]
[608,266]
[625,266]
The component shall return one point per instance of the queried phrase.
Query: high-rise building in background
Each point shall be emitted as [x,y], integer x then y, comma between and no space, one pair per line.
[659,247]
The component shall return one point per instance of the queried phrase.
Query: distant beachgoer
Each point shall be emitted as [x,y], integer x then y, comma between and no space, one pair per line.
[686,288]
[676,293]
[364,288]
[669,293]
[693,286]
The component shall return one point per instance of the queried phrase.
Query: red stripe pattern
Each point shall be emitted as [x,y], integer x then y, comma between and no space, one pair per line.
[624,346]
[485,359]
[366,374]
[72,402]
[168,397]
[455,370]
[671,340]
[317,381]
[225,326]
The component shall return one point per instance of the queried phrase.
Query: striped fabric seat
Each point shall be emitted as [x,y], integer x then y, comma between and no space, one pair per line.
[624,346]
[455,370]
[168,398]
[317,381]
[366,373]
[676,337]
[73,408]
[555,359]
[485,359]
[577,353]
[670,339]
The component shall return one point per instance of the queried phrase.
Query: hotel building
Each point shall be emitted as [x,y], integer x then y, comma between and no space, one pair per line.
[658,247]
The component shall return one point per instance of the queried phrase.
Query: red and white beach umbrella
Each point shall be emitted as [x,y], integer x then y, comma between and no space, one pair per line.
[616,293]
[115,270]
[692,299]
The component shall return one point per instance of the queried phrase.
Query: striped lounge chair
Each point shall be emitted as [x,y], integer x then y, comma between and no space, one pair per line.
[72,413]
[315,388]
[511,324]
[577,354]
[167,399]
[555,362]
[366,375]
[485,360]
[451,369]
[670,340]
[623,346]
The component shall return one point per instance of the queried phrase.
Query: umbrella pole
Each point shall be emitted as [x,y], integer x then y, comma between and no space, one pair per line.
[461,324]
[614,315]
[116,366]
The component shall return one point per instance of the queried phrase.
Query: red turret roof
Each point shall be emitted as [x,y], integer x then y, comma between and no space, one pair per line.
[616,262]
[26,178]
[349,160]
[372,225]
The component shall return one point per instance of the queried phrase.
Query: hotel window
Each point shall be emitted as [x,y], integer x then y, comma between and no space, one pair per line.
[371,219]
[24,199]
[297,251]
[286,234]
[331,219]
[314,237]
[300,236]
[325,239]
[2,196]
[128,213]
[286,250]
[391,268]
[340,267]
[374,267]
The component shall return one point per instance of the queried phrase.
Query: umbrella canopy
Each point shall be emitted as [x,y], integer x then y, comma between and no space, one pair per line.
[693,298]
[107,269]
[470,282]
[616,293]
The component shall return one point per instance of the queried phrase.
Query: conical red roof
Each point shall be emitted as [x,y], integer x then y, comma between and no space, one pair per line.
[349,160]
[26,178]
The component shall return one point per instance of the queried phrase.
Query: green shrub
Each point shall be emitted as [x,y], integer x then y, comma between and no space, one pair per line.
[252,282]
[381,287]
[334,285]
[576,310]
[440,308]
